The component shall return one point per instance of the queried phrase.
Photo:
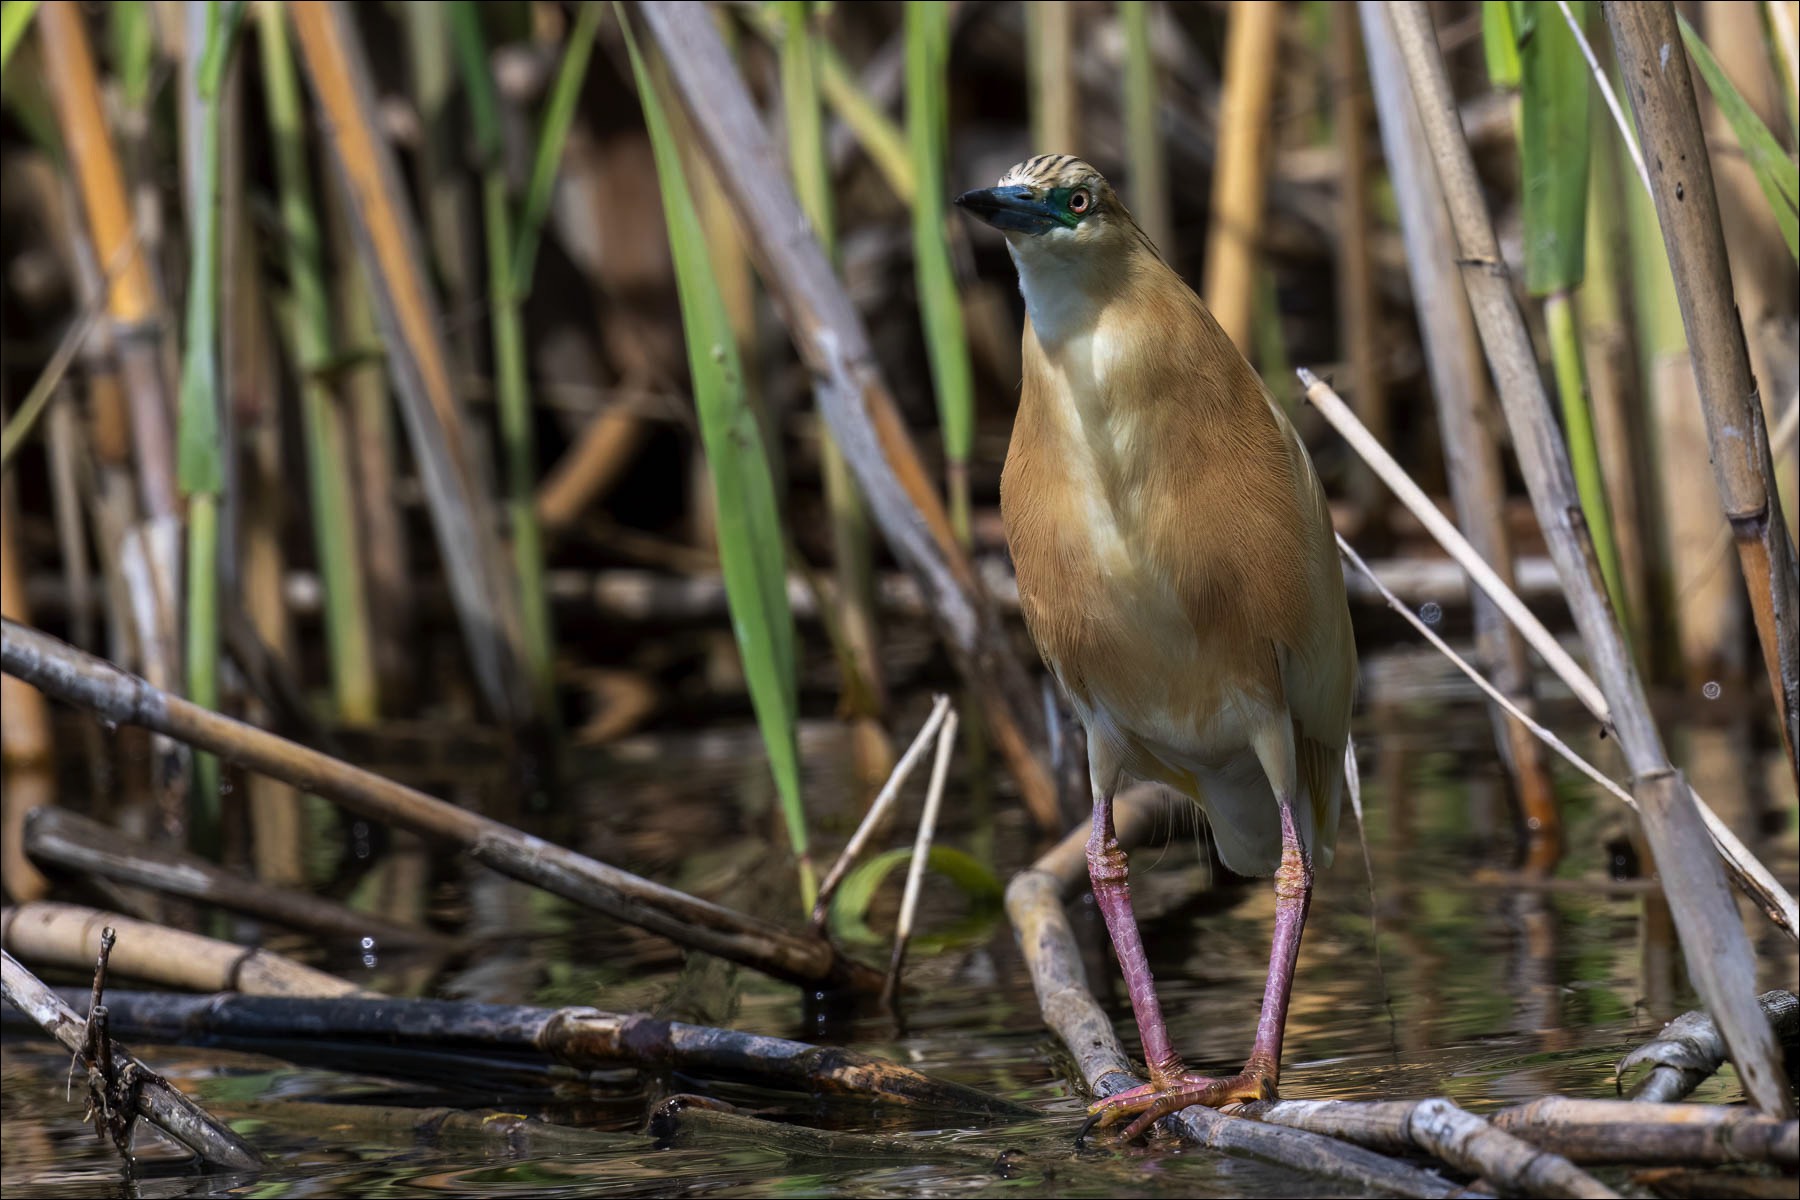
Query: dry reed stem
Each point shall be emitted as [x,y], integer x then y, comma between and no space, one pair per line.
[67,935]
[1653,61]
[856,402]
[154,1099]
[74,843]
[1717,950]
[1240,175]
[1619,1132]
[132,301]
[1459,386]
[121,698]
[1439,1127]
[483,582]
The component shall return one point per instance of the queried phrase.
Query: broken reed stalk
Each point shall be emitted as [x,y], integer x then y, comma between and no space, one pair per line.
[121,698]
[585,1039]
[70,842]
[1689,1050]
[482,584]
[915,873]
[1472,461]
[1655,69]
[1034,902]
[1252,42]
[875,818]
[833,342]
[151,1096]
[66,935]
[1716,948]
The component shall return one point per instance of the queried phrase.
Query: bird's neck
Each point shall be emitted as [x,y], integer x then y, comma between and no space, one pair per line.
[1065,291]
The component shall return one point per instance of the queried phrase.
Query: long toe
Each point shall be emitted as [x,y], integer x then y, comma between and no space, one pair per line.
[1151,1102]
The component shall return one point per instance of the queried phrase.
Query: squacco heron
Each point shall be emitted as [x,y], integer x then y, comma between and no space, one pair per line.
[1177,571]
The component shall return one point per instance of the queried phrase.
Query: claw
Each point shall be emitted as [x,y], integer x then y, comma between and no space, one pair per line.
[1151,1102]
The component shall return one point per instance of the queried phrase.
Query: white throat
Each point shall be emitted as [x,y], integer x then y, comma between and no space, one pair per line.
[1052,286]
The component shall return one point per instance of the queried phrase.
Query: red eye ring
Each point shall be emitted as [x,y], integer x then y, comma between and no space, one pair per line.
[1079,202]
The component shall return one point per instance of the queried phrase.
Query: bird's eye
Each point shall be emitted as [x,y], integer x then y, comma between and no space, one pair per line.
[1079,202]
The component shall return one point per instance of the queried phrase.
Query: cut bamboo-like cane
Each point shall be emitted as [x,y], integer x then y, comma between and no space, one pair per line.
[1716,947]
[875,818]
[915,872]
[91,683]
[154,1099]
[1771,896]
[1662,97]
[1252,41]
[833,342]
[67,935]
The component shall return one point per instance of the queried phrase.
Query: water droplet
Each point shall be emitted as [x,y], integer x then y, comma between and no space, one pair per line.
[369,961]
[368,943]
[1712,690]
[1431,612]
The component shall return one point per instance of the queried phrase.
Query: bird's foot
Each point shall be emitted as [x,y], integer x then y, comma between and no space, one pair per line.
[1151,1102]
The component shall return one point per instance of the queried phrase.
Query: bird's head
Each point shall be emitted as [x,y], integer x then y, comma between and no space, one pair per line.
[1053,204]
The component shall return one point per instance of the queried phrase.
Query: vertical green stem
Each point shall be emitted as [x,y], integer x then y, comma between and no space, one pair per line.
[946,344]
[1143,135]
[335,529]
[512,389]
[1584,452]
[200,468]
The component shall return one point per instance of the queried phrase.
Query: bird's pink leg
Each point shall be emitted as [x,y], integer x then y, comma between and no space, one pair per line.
[1108,871]
[1172,1088]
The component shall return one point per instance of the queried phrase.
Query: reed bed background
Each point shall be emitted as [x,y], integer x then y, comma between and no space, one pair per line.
[509,379]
